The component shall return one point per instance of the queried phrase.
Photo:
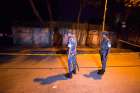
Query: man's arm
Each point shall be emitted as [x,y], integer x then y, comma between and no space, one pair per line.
[69,49]
[75,45]
[109,46]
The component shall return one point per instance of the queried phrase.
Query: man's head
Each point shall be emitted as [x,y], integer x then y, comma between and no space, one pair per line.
[105,34]
[71,35]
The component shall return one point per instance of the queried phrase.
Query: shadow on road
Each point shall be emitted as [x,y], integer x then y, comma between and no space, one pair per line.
[6,58]
[50,79]
[93,75]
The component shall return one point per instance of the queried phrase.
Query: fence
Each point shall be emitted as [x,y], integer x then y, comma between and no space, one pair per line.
[55,34]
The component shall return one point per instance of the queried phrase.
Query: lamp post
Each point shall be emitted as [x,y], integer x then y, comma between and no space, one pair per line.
[103,23]
[104,17]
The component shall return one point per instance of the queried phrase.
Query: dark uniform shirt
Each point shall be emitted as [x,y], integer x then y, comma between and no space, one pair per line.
[105,44]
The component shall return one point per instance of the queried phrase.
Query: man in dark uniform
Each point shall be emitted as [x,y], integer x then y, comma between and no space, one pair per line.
[72,44]
[104,50]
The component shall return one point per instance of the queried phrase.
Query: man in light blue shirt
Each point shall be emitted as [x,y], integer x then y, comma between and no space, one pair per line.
[72,44]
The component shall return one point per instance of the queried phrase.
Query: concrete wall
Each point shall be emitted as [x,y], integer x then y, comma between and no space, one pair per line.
[57,35]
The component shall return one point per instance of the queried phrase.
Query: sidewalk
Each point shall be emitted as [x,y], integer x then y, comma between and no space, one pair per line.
[80,50]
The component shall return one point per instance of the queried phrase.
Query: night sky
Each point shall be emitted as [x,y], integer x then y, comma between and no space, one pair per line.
[13,11]
[62,10]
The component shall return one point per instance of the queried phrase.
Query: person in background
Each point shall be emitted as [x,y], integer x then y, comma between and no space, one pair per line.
[104,51]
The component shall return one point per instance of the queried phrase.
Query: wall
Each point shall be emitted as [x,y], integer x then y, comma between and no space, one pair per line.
[56,35]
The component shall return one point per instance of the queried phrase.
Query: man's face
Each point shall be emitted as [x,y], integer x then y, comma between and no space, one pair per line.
[104,36]
[72,36]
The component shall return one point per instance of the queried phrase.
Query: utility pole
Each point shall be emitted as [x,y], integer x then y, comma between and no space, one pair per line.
[104,17]
[103,23]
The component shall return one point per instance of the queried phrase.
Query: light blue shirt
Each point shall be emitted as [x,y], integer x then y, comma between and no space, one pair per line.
[72,45]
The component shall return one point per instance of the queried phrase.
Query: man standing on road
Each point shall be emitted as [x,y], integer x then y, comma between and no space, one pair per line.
[72,44]
[104,50]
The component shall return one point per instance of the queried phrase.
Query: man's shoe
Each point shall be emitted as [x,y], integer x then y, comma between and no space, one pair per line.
[74,71]
[101,72]
[68,75]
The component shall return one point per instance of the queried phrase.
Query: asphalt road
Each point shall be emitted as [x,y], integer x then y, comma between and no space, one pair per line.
[45,74]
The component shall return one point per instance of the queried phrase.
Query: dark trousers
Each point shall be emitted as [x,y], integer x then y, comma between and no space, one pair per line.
[103,54]
[71,63]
